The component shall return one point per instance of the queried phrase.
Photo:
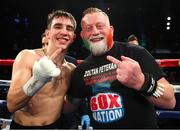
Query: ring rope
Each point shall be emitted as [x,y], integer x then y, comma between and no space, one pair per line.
[168,114]
[5,121]
[161,62]
[8,82]
[168,62]
[6,62]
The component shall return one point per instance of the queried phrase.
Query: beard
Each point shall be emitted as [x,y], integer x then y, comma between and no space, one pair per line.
[98,48]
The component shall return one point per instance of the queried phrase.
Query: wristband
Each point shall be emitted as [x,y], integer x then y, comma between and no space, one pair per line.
[32,86]
[149,86]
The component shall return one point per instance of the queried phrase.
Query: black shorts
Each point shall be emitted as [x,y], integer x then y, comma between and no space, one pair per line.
[15,125]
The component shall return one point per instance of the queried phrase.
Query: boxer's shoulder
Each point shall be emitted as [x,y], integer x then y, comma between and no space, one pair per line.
[27,56]
[30,53]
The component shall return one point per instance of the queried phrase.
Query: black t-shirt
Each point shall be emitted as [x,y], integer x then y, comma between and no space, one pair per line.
[111,104]
[71,59]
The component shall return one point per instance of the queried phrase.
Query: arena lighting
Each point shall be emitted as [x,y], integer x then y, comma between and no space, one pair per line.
[168,28]
[168,23]
[16,20]
[168,18]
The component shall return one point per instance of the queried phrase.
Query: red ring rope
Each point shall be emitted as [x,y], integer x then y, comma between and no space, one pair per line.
[161,62]
[168,62]
[7,62]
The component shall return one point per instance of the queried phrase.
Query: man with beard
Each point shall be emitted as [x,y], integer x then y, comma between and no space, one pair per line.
[122,82]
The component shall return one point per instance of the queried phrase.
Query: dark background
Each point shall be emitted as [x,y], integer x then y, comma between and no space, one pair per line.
[23,21]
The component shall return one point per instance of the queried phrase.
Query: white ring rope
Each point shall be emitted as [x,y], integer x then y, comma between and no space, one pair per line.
[5,121]
[8,82]
[176,88]
[5,82]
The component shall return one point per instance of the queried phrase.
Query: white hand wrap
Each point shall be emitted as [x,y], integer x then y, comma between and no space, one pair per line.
[43,71]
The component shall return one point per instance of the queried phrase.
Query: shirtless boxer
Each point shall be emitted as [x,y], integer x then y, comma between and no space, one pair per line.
[40,77]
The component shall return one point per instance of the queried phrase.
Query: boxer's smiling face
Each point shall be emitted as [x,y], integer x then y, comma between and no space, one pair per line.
[61,32]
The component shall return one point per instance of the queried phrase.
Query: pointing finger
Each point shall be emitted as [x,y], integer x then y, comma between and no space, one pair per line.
[124,58]
[113,60]
[56,53]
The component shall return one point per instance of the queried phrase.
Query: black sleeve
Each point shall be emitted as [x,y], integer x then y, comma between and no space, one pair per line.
[83,107]
[149,65]
[76,88]
[71,60]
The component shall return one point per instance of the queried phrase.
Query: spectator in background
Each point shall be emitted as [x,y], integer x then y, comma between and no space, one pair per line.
[44,40]
[132,39]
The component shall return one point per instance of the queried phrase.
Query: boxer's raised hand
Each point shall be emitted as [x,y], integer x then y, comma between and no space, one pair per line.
[43,70]
[128,72]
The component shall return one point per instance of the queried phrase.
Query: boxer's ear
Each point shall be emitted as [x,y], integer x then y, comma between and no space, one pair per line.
[47,33]
[74,37]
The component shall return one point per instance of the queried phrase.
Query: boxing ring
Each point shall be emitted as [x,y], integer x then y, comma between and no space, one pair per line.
[5,116]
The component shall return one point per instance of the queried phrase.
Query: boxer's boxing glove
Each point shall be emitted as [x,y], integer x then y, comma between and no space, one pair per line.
[42,71]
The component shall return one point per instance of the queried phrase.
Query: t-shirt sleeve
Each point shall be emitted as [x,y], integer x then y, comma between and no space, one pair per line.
[76,87]
[149,65]
[71,60]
